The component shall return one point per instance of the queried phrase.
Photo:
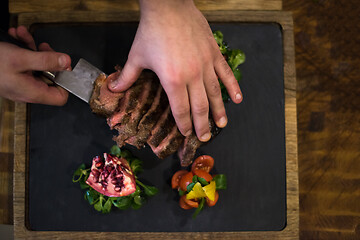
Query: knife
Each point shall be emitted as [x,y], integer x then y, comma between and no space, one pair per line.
[79,81]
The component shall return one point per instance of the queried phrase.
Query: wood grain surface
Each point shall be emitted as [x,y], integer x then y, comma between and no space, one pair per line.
[21,6]
[327,64]
[290,231]
[327,37]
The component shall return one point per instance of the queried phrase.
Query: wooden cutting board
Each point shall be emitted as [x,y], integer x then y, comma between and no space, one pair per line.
[24,138]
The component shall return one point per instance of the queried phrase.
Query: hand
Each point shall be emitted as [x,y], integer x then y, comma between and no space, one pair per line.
[175,41]
[17,82]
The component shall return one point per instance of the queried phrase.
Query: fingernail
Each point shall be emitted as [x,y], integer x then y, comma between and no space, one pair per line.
[62,61]
[222,122]
[238,96]
[206,137]
[113,83]
[188,133]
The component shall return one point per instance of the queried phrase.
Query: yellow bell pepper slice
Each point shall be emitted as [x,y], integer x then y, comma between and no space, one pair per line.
[210,190]
[196,193]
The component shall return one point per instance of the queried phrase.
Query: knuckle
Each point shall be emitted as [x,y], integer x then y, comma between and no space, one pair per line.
[181,113]
[214,89]
[45,60]
[201,109]
[225,66]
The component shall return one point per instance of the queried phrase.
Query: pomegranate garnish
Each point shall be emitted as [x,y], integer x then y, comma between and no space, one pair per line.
[111,176]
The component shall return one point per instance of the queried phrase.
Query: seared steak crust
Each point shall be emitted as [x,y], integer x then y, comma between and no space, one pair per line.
[104,102]
[142,115]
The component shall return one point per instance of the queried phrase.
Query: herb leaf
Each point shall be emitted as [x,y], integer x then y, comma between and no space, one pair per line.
[78,173]
[190,187]
[122,202]
[234,58]
[198,210]
[99,205]
[203,181]
[91,195]
[136,166]
[221,181]
[135,206]
[125,154]
[149,190]
[181,192]
[107,206]
[219,38]
[115,150]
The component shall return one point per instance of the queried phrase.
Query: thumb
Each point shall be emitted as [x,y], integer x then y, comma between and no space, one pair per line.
[129,74]
[45,61]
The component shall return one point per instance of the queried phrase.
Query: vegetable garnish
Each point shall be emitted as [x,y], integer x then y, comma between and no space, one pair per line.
[131,196]
[198,186]
[234,58]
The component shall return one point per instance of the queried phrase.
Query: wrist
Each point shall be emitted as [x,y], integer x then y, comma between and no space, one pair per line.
[156,6]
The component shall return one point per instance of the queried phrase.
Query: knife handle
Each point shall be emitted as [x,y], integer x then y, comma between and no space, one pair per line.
[5,37]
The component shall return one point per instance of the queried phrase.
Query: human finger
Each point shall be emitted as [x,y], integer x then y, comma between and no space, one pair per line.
[199,109]
[24,36]
[12,32]
[227,77]
[45,47]
[38,91]
[42,61]
[180,107]
[128,75]
[213,92]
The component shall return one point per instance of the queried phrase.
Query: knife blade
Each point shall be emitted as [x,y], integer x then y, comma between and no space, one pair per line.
[79,81]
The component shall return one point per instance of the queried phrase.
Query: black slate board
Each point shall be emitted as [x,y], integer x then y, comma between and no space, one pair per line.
[250,150]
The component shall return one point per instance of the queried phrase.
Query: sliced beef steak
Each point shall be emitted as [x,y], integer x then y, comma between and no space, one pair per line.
[127,104]
[129,126]
[148,121]
[191,143]
[142,115]
[170,144]
[104,102]
[162,128]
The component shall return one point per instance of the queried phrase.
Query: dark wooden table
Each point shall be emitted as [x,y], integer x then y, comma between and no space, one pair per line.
[328,89]
[327,36]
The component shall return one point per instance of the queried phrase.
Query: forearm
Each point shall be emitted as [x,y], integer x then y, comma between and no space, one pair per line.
[155,6]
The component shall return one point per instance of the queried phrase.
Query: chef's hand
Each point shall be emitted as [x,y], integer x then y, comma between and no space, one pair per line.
[17,82]
[175,41]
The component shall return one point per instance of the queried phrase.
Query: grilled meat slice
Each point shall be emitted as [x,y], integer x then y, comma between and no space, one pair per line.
[129,126]
[104,102]
[148,121]
[187,150]
[170,144]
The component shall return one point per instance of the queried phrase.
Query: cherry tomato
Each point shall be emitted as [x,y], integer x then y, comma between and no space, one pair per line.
[203,174]
[185,180]
[176,178]
[212,203]
[183,204]
[204,162]
[191,202]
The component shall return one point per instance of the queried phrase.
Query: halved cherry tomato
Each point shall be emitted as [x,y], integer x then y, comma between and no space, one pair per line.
[191,202]
[183,204]
[212,203]
[201,173]
[204,162]
[185,180]
[176,178]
